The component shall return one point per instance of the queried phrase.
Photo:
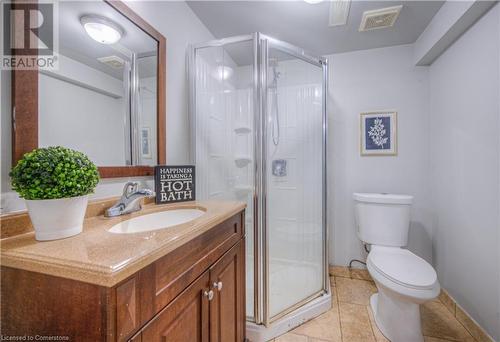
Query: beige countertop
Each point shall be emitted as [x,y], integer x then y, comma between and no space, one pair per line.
[99,257]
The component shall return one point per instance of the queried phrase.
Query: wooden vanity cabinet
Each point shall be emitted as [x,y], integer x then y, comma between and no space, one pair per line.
[210,309]
[194,293]
[227,308]
[185,319]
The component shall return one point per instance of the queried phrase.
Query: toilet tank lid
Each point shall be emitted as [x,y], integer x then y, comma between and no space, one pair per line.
[382,198]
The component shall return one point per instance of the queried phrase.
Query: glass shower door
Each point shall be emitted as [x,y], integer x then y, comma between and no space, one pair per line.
[293,181]
[223,99]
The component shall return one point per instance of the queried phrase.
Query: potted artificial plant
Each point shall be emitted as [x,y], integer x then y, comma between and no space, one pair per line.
[55,182]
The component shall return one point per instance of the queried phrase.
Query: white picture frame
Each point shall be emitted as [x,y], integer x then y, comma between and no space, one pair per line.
[378,133]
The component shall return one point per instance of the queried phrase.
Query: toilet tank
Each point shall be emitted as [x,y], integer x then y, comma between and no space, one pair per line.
[382,219]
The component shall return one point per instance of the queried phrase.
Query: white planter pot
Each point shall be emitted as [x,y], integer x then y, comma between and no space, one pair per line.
[57,218]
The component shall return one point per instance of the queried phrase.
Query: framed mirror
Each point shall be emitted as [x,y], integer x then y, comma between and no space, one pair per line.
[106,98]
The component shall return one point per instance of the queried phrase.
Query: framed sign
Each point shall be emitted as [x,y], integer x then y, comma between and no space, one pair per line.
[378,132]
[174,183]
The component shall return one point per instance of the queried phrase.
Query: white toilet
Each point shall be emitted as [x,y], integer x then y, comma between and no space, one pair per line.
[403,279]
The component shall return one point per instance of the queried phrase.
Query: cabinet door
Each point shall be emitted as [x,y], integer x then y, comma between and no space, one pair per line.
[227,309]
[186,318]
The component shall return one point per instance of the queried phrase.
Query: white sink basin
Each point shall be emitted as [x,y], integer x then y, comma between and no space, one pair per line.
[155,221]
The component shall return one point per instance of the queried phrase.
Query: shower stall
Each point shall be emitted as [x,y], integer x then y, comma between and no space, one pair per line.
[258,117]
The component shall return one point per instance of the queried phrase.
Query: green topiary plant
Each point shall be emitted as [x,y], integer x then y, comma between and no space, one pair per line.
[52,173]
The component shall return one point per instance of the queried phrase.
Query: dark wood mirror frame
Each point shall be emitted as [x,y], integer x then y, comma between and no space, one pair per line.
[25,105]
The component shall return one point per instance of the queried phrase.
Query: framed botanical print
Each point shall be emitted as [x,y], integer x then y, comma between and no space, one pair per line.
[378,132]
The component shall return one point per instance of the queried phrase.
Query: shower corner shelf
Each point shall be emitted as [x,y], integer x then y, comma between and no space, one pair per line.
[242,161]
[242,130]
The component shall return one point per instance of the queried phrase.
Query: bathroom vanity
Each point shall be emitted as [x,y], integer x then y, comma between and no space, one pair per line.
[182,283]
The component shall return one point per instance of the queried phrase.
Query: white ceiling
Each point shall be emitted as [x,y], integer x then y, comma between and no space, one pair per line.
[76,44]
[306,25]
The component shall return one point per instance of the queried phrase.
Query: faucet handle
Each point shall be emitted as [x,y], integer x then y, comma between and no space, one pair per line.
[130,188]
[115,210]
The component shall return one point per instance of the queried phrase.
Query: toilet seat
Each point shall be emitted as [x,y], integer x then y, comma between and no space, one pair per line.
[402,267]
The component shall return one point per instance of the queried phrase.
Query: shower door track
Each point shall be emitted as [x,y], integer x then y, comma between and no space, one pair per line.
[261,45]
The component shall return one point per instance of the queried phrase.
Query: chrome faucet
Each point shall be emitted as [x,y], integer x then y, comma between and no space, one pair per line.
[130,200]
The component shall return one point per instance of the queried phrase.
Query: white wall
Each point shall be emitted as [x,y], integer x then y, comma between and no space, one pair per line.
[464,169]
[83,119]
[180,26]
[378,79]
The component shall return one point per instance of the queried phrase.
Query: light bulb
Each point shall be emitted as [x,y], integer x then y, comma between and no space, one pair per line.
[101,30]
[223,72]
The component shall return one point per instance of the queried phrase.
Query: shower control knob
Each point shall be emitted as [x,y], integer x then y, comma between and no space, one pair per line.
[217,285]
[209,294]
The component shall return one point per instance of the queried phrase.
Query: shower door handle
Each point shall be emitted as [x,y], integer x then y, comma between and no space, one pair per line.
[217,285]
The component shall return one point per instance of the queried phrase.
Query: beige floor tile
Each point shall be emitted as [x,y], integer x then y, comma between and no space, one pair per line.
[332,281]
[437,321]
[339,271]
[335,300]
[354,291]
[379,337]
[471,326]
[325,327]
[358,273]
[289,337]
[434,339]
[437,300]
[445,298]
[355,323]
[353,273]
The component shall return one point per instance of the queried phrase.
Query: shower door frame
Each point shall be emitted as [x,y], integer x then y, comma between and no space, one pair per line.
[267,42]
[261,44]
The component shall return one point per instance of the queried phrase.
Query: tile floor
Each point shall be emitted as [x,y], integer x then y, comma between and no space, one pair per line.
[351,320]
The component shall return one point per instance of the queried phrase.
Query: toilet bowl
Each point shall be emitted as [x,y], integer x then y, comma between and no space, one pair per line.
[403,279]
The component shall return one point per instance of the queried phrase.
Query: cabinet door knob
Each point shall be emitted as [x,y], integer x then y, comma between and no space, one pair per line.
[209,294]
[217,285]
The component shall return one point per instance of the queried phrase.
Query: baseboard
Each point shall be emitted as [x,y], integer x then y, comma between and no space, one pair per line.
[444,297]
[464,318]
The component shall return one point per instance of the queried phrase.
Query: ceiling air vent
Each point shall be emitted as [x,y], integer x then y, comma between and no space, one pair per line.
[380,18]
[112,61]
[339,11]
